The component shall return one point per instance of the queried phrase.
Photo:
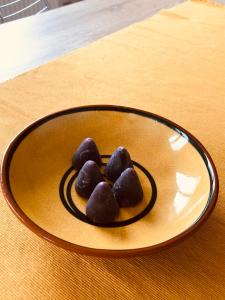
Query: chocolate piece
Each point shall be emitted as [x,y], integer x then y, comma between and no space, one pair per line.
[102,207]
[86,151]
[127,189]
[119,161]
[89,176]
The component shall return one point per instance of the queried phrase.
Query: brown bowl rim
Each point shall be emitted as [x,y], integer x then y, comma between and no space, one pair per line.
[214,184]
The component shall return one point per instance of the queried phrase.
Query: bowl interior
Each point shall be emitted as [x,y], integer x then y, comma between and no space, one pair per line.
[43,156]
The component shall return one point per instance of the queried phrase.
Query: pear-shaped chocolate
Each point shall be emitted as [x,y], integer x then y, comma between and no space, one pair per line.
[118,162]
[127,189]
[88,177]
[86,151]
[102,207]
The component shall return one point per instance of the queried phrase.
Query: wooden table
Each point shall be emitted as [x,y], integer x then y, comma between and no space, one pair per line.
[32,41]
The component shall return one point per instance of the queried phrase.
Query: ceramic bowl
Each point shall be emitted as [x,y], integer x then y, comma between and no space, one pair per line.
[177,174]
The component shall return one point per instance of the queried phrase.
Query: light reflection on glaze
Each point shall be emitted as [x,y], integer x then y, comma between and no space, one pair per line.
[202,198]
[177,142]
[180,201]
[187,186]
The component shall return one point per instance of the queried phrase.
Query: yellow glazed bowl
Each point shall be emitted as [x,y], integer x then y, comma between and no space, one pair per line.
[177,174]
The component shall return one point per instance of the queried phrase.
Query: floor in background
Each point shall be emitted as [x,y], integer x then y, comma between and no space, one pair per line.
[17,9]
